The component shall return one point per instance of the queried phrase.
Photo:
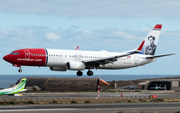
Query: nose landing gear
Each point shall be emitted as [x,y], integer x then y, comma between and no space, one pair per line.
[20,70]
[17,65]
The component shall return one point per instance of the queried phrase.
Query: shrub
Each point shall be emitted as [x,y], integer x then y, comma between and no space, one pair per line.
[73,102]
[21,102]
[54,102]
[157,100]
[30,102]
[142,100]
[5,103]
[12,102]
[87,101]
[129,101]
[1,103]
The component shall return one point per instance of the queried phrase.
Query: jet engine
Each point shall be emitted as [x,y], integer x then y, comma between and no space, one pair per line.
[58,69]
[74,65]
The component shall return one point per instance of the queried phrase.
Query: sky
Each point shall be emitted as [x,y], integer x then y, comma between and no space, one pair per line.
[112,25]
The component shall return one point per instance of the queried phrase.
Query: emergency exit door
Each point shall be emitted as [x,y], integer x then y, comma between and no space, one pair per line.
[135,59]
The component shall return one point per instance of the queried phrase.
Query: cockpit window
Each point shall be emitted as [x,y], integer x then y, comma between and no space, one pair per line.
[14,53]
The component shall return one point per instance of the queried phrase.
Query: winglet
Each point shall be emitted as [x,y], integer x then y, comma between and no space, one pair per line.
[140,47]
[158,26]
[77,48]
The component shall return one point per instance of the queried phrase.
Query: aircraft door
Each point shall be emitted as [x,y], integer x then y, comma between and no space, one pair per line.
[135,59]
[27,54]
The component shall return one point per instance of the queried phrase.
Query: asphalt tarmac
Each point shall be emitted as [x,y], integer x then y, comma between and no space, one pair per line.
[92,95]
[165,107]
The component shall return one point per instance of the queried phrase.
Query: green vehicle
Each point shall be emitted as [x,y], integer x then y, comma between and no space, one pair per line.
[16,89]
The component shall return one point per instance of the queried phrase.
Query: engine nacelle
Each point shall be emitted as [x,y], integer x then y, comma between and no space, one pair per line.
[58,68]
[74,65]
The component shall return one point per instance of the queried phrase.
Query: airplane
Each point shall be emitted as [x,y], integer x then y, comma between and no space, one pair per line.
[130,87]
[62,60]
[157,87]
[16,89]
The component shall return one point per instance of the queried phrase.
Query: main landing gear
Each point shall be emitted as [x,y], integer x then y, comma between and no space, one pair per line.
[89,73]
[79,73]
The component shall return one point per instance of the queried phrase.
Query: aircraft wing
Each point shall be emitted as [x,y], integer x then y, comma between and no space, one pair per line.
[97,62]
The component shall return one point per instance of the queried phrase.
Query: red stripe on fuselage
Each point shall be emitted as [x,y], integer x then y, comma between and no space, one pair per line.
[29,57]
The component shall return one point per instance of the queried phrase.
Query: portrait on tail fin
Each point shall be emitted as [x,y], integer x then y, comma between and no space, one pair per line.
[151,48]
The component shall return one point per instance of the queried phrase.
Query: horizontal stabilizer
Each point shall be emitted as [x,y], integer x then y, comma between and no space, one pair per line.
[159,56]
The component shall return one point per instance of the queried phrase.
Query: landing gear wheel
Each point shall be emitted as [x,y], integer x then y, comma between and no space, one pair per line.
[79,73]
[20,70]
[89,73]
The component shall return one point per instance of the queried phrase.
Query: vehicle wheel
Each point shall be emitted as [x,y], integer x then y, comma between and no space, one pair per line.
[90,73]
[20,70]
[79,73]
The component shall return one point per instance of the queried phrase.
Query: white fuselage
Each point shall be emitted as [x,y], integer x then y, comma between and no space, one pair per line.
[59,58]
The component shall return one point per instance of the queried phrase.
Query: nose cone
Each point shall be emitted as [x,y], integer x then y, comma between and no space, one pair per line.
[7,58]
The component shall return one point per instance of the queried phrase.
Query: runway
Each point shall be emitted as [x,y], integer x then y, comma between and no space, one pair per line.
[164,107]
[91,95]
